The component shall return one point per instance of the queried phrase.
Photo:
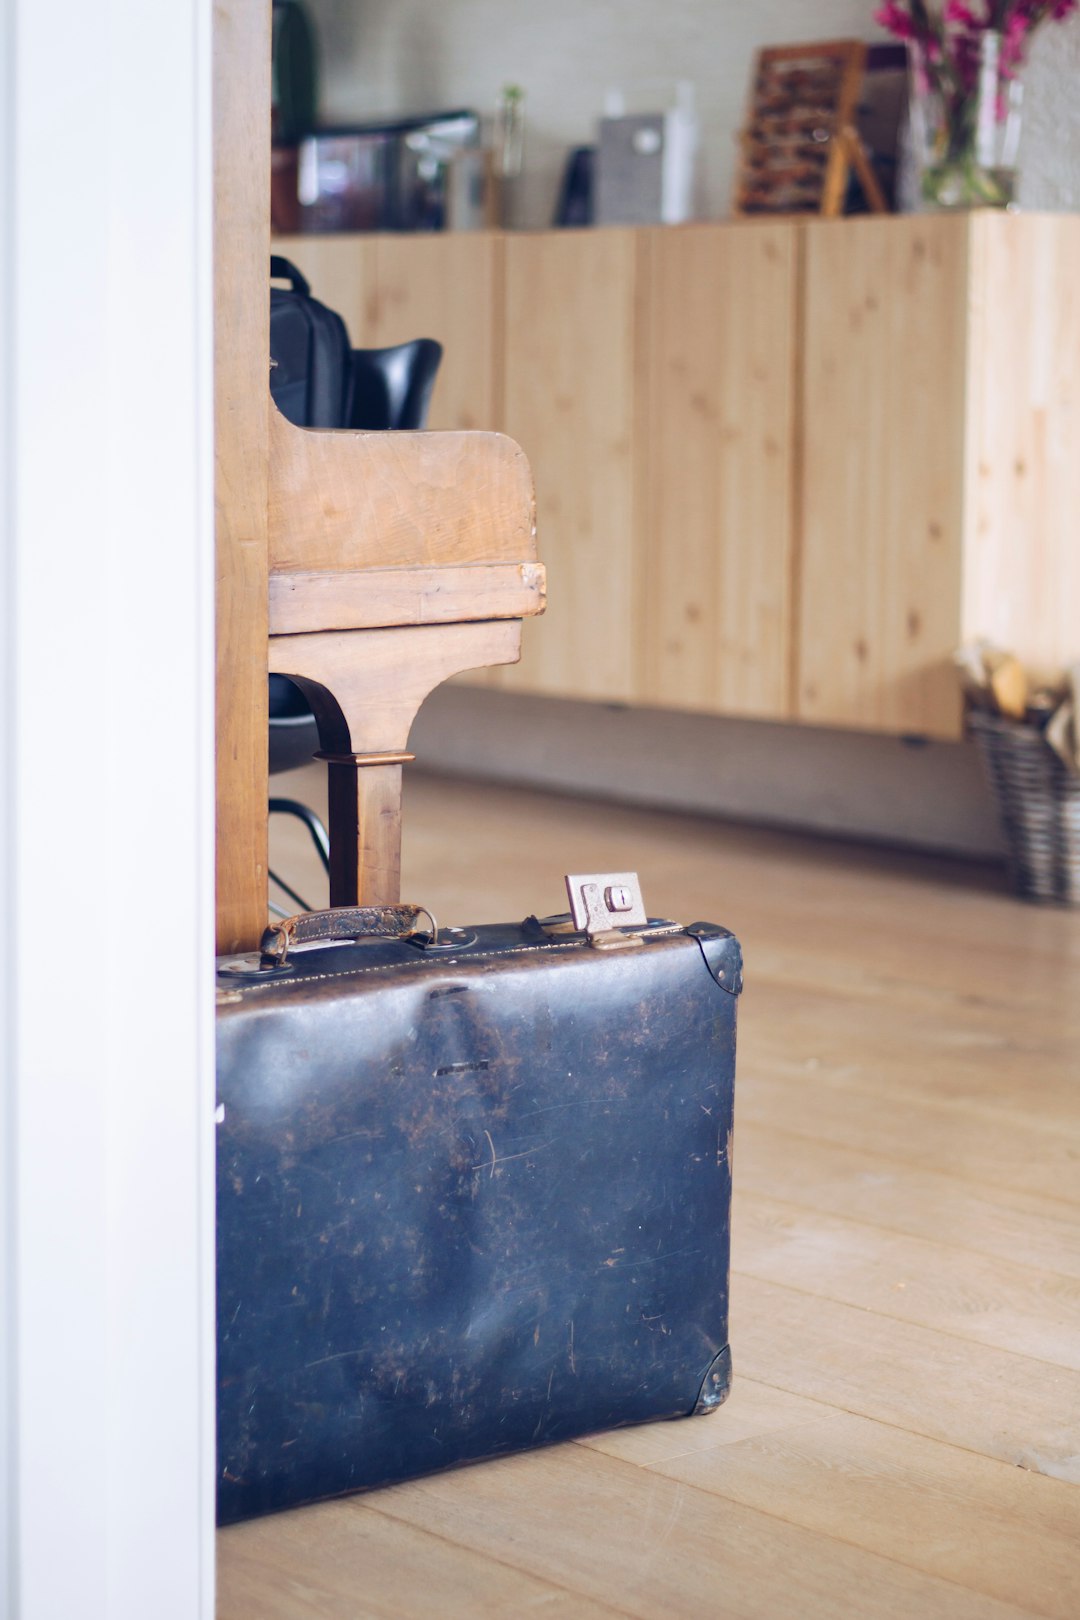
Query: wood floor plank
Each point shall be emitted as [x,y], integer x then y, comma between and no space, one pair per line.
[881,1190]
[921,1280]
[663,1550]
[946,1052]
[342,1561]
[751,1409]
[996,956]
[1023,1412]
[846,1108]
[985,1525]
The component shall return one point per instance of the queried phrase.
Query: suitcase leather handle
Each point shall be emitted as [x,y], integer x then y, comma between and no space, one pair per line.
[341,922]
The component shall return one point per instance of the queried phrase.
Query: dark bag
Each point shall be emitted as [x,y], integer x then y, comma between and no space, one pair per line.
[311,357]
[473,1194]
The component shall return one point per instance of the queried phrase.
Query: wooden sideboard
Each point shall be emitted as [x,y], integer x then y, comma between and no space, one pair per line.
[782,468]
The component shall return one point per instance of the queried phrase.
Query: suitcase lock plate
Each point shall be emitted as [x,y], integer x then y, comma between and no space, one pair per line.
[608,907]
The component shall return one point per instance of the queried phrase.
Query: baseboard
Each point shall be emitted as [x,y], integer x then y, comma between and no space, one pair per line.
[919,794]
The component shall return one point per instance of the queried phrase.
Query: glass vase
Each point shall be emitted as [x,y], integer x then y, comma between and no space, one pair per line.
[965,128]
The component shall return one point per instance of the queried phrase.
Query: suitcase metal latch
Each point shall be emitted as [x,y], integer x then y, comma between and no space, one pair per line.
[607,906]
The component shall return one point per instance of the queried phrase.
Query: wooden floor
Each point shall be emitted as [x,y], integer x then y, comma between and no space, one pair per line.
[903,1437]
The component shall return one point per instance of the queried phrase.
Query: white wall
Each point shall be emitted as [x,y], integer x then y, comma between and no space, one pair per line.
[1050,149]
[106,806]
[410,55]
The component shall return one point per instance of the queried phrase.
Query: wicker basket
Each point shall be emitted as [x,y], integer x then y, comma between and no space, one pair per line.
[1039,804]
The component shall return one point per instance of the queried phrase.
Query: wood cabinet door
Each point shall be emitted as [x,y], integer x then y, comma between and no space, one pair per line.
[444,286]
[571,398]
[719,453]
[884,408]
[1022,553]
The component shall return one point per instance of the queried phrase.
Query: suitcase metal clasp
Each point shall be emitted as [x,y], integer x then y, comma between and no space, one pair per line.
[607,906]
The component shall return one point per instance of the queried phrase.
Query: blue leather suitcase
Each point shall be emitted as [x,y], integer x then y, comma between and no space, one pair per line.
[473,1191]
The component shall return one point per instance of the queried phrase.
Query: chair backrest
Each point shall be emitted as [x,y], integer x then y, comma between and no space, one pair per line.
[391,388]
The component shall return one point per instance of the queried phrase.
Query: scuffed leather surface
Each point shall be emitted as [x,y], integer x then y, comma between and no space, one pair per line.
[466,1205]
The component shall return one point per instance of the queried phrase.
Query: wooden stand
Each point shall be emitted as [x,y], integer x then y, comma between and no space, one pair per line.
[800,142]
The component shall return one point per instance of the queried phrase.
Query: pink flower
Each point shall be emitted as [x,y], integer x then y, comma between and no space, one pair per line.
[1015,42]
[893,17]
[956,12]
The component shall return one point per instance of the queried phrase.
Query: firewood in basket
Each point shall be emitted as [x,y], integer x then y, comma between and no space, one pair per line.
[1008,682]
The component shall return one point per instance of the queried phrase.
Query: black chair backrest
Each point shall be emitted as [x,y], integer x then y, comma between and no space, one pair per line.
[391,388]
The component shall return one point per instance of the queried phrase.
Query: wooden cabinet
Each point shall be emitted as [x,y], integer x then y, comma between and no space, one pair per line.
[883,414]
[571,400]
[940,409]
[783,468]
[648,376]
[718,450]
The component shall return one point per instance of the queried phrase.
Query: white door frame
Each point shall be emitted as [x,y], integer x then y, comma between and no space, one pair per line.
[106,810]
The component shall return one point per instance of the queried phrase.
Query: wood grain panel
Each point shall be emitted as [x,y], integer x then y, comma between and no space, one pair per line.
[241,410]
[971,1520]
[370,597]
[341,501]
[666,1551]
[926,1281]
[751,1410]
[571,374]
[1020,1410]
[447,287]
[944,1138]
[953,1068]
[348,1564]
[1021,554]
[885,1192]
[379,678]
[719,454]
[882,512]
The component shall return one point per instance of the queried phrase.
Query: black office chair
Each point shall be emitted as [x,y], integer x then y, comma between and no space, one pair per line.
[391,390]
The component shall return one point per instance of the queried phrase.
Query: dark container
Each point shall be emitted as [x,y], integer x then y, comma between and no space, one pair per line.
[390,175]
[471,1199]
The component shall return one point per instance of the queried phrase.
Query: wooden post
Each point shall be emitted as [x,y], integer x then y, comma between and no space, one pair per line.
[241,408]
